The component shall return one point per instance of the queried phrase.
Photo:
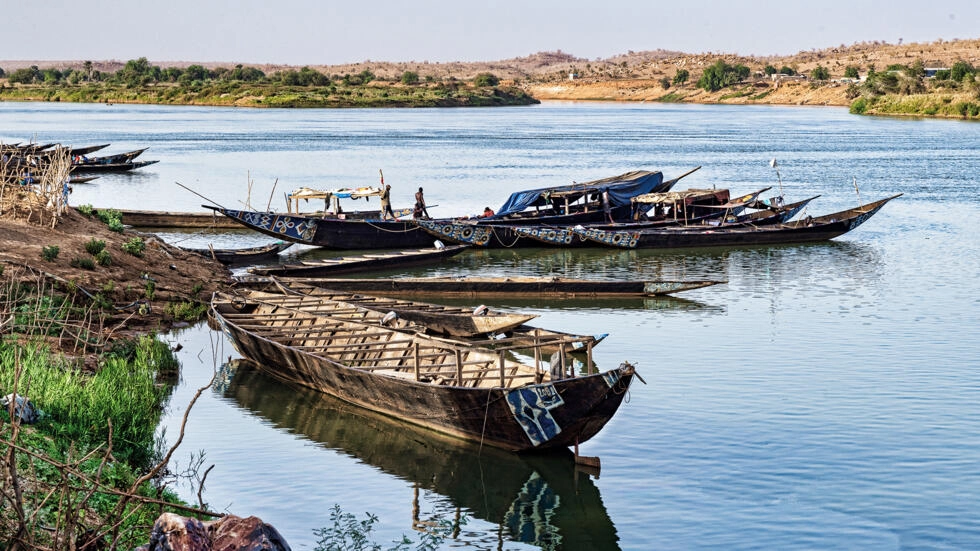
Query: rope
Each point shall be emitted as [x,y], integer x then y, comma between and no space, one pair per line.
[416,228]
[493,230]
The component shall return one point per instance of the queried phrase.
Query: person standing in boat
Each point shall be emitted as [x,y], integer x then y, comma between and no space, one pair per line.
[606,207]
[386,203]
[420,211]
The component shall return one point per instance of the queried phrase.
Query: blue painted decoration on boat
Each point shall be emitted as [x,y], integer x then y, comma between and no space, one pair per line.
[530,406]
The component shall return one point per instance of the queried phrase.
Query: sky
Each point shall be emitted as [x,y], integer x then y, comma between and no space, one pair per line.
[327,32]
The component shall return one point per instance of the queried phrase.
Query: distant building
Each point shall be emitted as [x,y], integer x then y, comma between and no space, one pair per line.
[930,72]
[572,76]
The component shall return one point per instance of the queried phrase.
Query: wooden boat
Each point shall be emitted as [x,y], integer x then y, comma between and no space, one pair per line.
[481,326]
[332,233]
[81,160]
[162,219]
[85,150]
[808,230]
[569,236]
[554,287]
[361,263]
[242,256]
[413,317]
[81,179]
[112,167]
[535,499]
[469,393]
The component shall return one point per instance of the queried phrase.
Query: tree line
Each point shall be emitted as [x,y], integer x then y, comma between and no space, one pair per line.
[140,72]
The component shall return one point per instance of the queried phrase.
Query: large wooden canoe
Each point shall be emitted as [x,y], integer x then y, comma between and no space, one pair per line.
[361,263]
[424,317]
[807,230]
[332,233]
[112,167]
[473,394]
[553,287]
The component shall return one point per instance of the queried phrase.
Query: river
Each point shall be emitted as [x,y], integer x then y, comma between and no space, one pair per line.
[826,397]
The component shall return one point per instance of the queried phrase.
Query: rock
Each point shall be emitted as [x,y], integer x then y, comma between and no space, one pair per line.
[23,408]
[173,532]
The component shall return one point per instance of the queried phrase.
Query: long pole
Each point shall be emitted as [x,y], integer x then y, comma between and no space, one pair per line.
[198,194]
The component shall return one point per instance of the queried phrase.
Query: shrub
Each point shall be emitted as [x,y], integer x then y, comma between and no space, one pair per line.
[108,215]
[820,73]
[84,263]
[851,72]
[50,252]
[86,210]
[859,106]
[486,79]
[681,77]
[134,246]
[410,77]
[103,258]
[185,311]
[665,83]
[94,246]
[150,290]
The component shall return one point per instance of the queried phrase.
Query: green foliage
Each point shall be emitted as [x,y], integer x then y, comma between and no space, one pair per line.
[50,252]
[77,406]
[769,70]
[197,288]
[820,73]
[83,263]
[859,106]
[135,246]
[961,70]
[720,75]
[917,69]
[103,258]
[851,72]
[108,215]
[25,75]
[410,77]
[346,533]
[94,246]
[681,76]
[150,289]
[86,210]
[185,311]
[787,70]
[665,83]
[486,79]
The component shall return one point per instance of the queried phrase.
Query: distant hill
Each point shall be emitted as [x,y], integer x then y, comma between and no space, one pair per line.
[545,66]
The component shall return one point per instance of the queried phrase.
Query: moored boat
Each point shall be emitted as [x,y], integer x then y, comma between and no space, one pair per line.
[361,263]
[332,233]
[245,255]
[553,287]
[112,167]
[473,394]
[809,229]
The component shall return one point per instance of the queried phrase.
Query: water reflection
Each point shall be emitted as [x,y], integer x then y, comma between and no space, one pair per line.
[538,500]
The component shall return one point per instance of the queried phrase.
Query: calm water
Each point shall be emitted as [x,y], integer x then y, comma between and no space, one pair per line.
[827,397]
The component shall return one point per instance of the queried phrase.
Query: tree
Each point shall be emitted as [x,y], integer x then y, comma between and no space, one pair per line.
[960,70]
[410,77]
[917,69]
[681,76]
[486,79]
[720,75]
[787,70]
[25,75]
[2,73]
[769,70]
[851,72]
[665,83]
[820,73]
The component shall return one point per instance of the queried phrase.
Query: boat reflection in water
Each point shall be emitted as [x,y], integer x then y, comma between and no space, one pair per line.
[540,500]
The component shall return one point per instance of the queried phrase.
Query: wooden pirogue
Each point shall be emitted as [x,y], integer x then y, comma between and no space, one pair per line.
[471,393]
[360,263]
[552,287]
[240,256]
[479,327]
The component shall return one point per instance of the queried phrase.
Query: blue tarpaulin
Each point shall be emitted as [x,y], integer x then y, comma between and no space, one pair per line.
[621,188]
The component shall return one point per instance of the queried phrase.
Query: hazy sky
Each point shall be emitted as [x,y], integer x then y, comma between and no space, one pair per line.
[331,32]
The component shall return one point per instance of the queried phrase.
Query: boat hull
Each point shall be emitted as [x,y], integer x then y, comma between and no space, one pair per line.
[534,417]
[332,233]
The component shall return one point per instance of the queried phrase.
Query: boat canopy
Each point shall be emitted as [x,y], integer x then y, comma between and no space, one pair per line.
[328,194]
[621,189]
